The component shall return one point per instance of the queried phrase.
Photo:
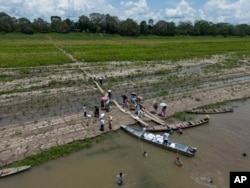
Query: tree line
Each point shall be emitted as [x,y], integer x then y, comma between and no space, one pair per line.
[105,23]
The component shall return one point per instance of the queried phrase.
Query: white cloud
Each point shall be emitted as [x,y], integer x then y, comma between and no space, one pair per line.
[230,11]
[136,10]
[32,9]
[224,11]
[183,11]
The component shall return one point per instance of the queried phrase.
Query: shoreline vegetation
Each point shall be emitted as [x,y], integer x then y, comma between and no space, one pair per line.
[107,24]
[52,153]
[44,76]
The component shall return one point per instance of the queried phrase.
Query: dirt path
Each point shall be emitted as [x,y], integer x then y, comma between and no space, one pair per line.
[34,92]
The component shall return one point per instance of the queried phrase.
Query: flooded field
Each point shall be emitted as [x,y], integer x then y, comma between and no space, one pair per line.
[220,146]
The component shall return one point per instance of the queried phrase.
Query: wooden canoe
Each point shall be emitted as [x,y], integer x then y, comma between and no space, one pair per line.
[209,111]
[182,125]
[157,140]
[10,171]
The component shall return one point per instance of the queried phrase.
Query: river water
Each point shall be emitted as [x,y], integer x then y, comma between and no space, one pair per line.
[220,146]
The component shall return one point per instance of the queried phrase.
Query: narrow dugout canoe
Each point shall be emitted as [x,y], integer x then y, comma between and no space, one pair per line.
[209,111]
[10,171]
[182,125]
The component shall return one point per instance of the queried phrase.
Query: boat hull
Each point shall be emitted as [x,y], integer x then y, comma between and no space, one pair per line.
[172,145]
[182,125]
[11,171]
[209,111]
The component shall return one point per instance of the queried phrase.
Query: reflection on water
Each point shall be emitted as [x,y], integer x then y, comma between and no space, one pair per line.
[220,146]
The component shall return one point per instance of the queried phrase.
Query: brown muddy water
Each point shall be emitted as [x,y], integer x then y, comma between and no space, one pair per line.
[220,146]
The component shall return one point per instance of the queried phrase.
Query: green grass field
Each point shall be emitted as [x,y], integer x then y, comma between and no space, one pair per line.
[18,50]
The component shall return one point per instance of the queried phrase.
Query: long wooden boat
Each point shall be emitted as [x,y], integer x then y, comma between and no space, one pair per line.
[158,141]
[182,125]
[10,171]
[209,111]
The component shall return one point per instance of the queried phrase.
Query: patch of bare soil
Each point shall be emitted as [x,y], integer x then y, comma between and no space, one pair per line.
[42,107]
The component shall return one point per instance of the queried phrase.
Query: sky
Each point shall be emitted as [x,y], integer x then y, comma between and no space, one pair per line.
[227,11]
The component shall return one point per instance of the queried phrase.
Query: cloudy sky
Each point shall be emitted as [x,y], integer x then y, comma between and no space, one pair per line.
[229,11]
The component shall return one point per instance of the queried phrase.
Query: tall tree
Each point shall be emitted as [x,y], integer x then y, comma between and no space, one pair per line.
[202,27]
[242,30]
[164,28]
[144,28]
[98,21]
[128,28]
[83,23]
[56,23]
[41,26]
[150,25]
[220,29]
[112,24]
[24,26]
[68,25]
[6,23]
[185,28]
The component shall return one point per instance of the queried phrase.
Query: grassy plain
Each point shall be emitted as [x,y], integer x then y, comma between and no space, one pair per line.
[18,50]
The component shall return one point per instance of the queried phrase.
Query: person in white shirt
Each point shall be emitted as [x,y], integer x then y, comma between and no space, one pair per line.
[101,123]
[120,178]
[165,138]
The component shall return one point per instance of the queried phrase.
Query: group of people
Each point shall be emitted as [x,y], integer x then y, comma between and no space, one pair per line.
[140,110]
[163,110]
[102,122]
[134,103]
[100,79]
[97,114]
[105,104]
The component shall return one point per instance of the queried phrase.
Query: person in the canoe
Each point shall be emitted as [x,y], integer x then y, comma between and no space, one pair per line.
[143,131]
[165,138]
[192,149]
[120,178]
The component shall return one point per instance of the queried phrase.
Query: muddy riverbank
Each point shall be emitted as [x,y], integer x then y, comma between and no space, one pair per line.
[42,107]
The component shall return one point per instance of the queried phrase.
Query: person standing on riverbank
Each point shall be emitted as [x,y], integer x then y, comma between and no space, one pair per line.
[84,110]
[102,122]
[110,121]
[100,80]
[109,94]
[164,111]
[155,107]
[96,111]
